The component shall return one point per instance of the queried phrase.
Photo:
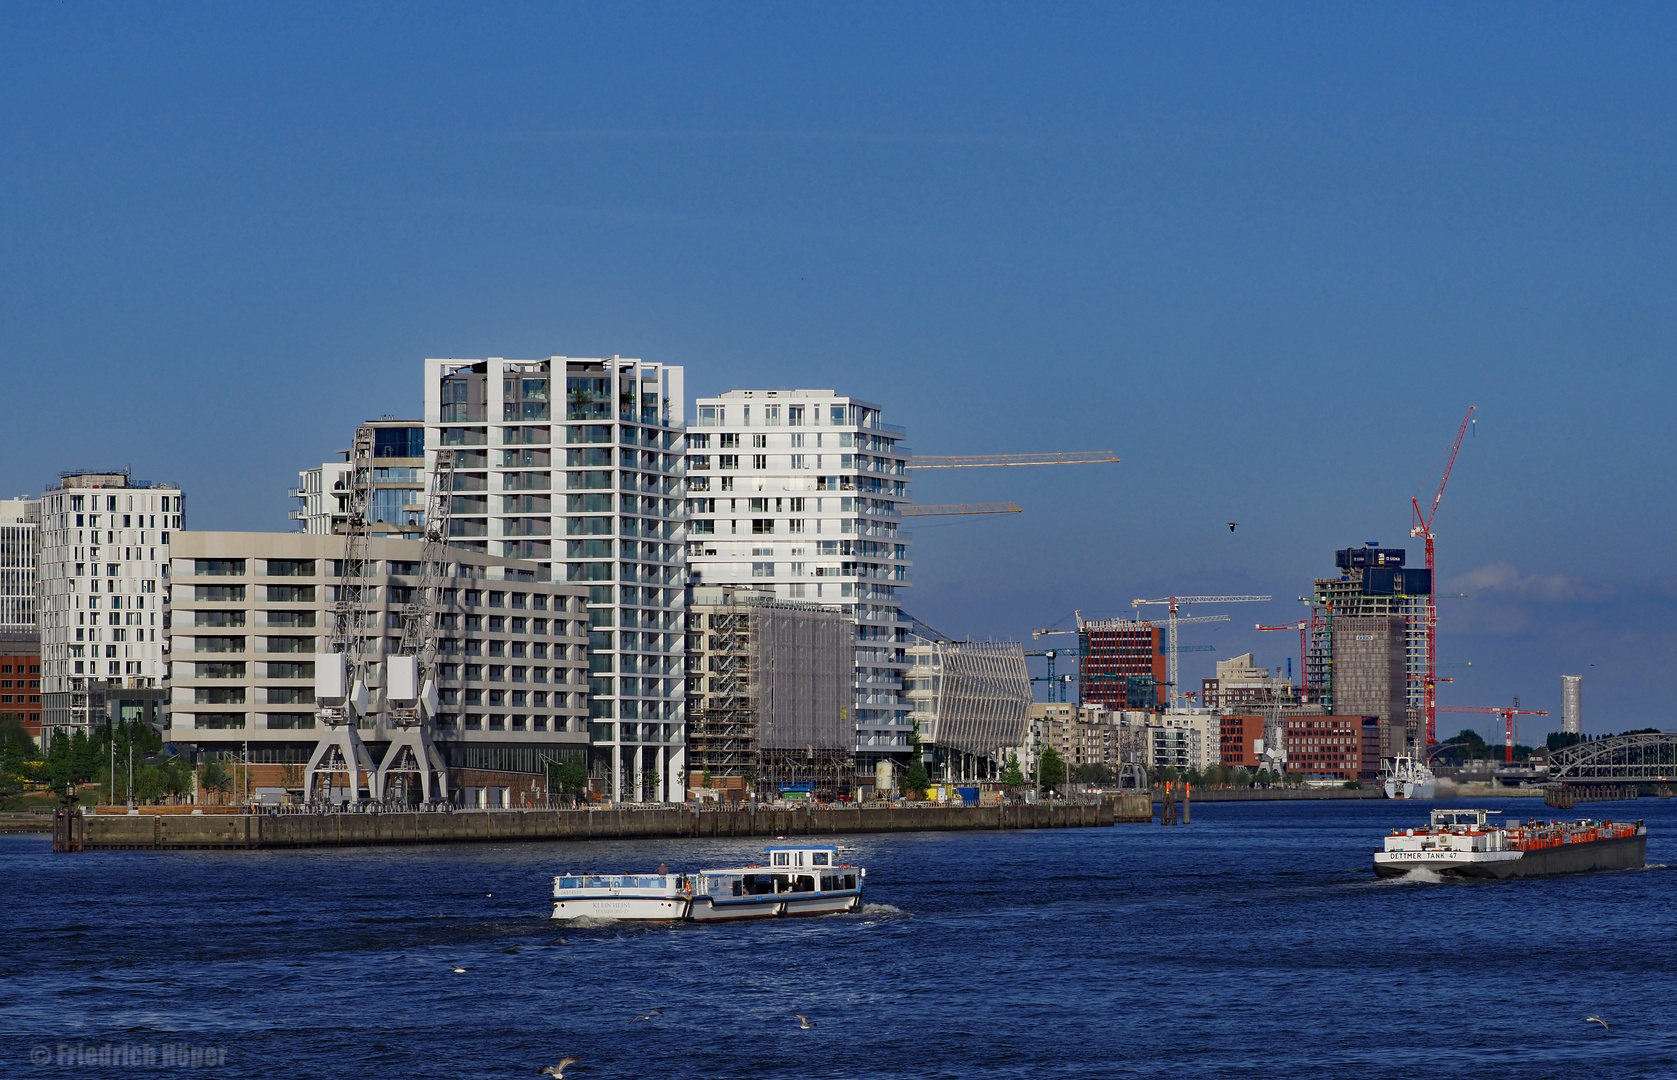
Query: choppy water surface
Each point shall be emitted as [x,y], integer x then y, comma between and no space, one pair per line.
[1254,942]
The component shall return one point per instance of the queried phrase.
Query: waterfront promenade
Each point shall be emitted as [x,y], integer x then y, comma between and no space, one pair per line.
[153,831]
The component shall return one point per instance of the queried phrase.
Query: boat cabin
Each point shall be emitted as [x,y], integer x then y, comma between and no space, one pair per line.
[812,870]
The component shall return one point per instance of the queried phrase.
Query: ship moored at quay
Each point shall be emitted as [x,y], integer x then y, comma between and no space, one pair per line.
[1465,843]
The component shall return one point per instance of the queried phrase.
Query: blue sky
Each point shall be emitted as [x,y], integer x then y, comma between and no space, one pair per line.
[1268,254]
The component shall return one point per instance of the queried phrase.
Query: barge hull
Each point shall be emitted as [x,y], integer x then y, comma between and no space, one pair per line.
[1624,853]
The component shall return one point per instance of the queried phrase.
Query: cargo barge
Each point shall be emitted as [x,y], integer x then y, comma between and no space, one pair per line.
[1464,843]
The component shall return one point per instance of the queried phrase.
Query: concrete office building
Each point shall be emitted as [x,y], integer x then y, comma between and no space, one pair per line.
[768,694]
[249,611]
[20,559]
[104,576]
[1572,704]
[576,465]
[970,701]
[1372,582]
[1369,675]
[397,504]
[799,491]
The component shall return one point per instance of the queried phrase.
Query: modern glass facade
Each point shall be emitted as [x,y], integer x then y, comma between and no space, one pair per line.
[577,464]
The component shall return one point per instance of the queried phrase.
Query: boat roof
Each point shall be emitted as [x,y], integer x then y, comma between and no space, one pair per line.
[803,847]
[1461,817]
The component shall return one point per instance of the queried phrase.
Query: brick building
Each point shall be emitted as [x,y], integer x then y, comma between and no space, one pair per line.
[1343,747]
[1121,664]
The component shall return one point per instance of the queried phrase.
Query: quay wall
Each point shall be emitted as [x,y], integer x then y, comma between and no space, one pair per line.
[261,831]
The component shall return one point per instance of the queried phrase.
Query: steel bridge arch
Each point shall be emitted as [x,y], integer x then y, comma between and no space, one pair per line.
[1623,758]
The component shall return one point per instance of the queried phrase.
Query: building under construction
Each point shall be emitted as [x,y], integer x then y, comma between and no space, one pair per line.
[970,703]
[1372,583]
[1121,664]
[769,689]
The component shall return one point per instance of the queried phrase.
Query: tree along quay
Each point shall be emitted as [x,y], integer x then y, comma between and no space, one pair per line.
[141,831]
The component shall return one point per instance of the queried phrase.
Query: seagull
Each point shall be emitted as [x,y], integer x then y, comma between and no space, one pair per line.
[648,1015]
[1232,524]
[1594,1019]
[458,970]
[804,1022]
[558,1071]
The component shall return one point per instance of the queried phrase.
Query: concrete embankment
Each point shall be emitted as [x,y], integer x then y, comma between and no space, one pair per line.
[26,821]
[1276,794]
[185,831]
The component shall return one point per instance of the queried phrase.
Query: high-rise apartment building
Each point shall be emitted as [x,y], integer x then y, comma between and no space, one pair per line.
[576,464]
[1572,704]
[396,506]
[799,491]
[20,557]
[1241,683]
[103,592]
[1372,582]
[1121,664]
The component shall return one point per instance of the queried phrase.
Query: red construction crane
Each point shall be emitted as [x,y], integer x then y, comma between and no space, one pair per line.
[1423,528]
[1303,627]
[1507,714]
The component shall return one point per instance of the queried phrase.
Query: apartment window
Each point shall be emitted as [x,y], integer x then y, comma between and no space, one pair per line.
[712,415]
[218,594]
[291,568]
[762,526]
[762,569]
[497,599]
[729,441]
[759,461]
[213,618]
[291,594]
[795,417]
[698,442]
[727,461]
[215,567]
[798,462]
[796,525]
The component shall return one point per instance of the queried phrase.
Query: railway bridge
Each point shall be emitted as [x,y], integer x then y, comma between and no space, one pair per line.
[1612,768]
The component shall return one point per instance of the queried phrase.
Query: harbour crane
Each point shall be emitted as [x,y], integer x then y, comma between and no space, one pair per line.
[410,684]
[1422,527]
[978,461]
[955,509]
[1303,627]
[1507,713]
[1172,604]
[340,675]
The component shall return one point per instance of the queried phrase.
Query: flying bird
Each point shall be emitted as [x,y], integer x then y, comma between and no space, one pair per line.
[1594,1019]
[648,1015]
[804,1022]
[1232,524]
[558,1071]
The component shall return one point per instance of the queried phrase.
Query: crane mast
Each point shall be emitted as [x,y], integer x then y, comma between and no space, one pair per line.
[410,688]
[341,673]
[1422,528]
[1172,603]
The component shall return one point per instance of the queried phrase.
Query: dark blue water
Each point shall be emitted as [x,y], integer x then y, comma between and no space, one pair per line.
[1253,943]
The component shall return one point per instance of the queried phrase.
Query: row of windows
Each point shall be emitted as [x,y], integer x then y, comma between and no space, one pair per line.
[451,672]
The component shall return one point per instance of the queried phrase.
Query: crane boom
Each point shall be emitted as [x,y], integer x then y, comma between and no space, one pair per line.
[1422,528]
[1173,603]
[977,461]
[954,509]
[1507,714]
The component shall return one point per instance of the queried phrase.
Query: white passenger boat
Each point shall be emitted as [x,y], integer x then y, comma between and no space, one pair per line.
[795,881]
[1408,778]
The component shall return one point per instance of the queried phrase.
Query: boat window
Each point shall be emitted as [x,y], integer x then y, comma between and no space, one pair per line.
[570,883]
[761,884]
[819,858]
[804,883]
[850,881]
[782,858]
[738,886]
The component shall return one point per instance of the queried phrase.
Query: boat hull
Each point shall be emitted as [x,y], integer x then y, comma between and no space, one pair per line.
[783,905]
[637,908]
[1411,789]
[1622,853]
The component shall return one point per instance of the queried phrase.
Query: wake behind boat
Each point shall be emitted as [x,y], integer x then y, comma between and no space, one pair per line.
[796,881]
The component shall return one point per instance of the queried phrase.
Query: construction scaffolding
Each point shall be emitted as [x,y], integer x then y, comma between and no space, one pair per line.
[770,684]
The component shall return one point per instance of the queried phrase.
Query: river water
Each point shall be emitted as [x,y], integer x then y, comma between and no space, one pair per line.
[1253,943]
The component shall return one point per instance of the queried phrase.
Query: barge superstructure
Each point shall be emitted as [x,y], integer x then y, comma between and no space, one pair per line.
[1466,843]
